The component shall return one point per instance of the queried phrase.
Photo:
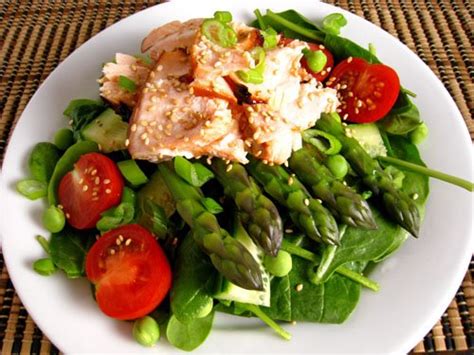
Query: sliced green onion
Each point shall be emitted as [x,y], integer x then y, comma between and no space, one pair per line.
[465,184]
[261,21]
[194,173]
[127,84]
[372,49]
[316,60]
[219,33]
[325,142]
[254,75]
[270,38]
[32,189]
[333,23]
[223,16]
[44,267]
[132,172]
[63,138]
[212,205]
[145,58]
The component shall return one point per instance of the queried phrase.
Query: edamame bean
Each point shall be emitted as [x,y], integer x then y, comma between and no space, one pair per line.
[279,265]
[54,219]
[146,331]
[338,166]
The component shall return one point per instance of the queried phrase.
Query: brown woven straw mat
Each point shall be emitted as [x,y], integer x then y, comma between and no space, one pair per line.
[35,36]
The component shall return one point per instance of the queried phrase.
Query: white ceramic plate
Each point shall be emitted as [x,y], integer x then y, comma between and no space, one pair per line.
[417,283]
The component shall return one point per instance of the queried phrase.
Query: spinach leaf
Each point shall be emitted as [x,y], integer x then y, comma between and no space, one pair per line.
[188,336]
[194,275]
[296,19]
[403,118]
[66,164]
[68,250]
[331,302]
[81,112]
[342,48]
[43,158]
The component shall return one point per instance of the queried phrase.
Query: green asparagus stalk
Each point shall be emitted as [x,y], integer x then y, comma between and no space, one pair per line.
[228,255]
[347,205]
[307,213]
[397,203]
[257,212]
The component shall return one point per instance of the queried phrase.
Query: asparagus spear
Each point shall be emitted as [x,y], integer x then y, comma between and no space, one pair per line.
[229,256]
[258,214]
[344,202]
[307,213]
[398,205]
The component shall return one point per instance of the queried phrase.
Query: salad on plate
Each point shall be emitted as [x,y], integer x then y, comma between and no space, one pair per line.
[261,170]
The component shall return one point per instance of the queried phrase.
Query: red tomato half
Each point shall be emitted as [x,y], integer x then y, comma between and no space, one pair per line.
[130,272]
[323,74]
[367,91]
[94,186]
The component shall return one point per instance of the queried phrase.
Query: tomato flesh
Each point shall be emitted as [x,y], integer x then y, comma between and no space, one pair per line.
[367,91]
[93,186]
[130,272]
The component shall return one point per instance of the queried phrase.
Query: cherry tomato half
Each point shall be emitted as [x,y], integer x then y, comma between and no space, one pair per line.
[130,272]
[92,187]
[367,91]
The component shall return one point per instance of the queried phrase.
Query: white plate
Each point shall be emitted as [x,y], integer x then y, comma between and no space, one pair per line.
[417,283]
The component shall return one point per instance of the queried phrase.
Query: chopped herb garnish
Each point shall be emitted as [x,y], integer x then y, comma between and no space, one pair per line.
[127,84]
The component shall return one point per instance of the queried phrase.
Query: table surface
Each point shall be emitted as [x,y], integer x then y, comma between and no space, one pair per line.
[35,36]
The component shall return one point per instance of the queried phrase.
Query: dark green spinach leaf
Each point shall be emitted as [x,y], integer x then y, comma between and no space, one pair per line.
[188,336]
[81,112]
[403,118]
[194,275]
[68,250]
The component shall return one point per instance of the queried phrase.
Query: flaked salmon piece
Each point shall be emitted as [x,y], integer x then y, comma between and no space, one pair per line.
[126,65]
[171,36]
[169,120]
[212,63]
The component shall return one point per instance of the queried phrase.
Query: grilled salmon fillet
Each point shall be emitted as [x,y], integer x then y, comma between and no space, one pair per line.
[169,120]
[125,65]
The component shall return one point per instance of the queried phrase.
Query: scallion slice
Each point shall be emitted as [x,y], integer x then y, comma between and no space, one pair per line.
[132,172]
[127,84]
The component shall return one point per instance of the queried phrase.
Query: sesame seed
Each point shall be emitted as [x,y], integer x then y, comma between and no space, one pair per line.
[229,168]
[97,180]
[288,230]
[147,141]
[81,181]
[191,91]
[127,142]
[415,196]
[85,188]
[120,237]
[133,128]
[290,180]
[108,191]
[349,59]
[68,215]
[293,322]
[306,202]
[93,172]
[345,116]
[118,241]
[127,242]
[106,181]
[258,153]
[299,287]
[60,206]
[133,67]
[356,110]
[265,161]
[209,160]
[112,251]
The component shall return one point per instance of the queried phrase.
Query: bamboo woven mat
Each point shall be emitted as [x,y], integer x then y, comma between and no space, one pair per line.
[35,36]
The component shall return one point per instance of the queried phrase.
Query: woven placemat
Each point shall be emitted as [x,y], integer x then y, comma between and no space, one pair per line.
[36,36]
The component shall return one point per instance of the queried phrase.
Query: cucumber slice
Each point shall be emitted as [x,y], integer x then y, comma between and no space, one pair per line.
[368,136]
[108,131]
